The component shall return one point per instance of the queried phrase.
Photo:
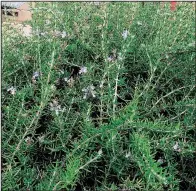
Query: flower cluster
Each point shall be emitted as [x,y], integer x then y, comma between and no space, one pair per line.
[54,106]
[89,92]
[60,34]
[55,33]
[83,70]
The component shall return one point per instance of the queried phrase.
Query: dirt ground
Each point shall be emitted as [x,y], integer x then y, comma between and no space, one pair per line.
[16,18]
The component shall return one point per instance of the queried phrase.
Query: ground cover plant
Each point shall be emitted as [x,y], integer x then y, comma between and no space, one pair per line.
[100,97]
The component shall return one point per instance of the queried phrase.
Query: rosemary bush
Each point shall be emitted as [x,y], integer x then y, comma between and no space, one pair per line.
[100,97]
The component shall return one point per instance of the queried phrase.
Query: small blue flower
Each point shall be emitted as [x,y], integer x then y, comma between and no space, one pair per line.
[125,34]
[110,59]
[36,74]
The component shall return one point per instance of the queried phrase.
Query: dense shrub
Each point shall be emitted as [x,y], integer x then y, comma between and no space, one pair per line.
[103,98]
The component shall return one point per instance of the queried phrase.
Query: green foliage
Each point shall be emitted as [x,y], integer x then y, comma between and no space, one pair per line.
[155,176]
[108,106]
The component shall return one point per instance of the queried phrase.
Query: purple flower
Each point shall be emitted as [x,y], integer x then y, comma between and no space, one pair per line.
[83,70]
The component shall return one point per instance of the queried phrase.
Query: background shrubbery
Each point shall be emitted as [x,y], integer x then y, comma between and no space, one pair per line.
[102,112]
